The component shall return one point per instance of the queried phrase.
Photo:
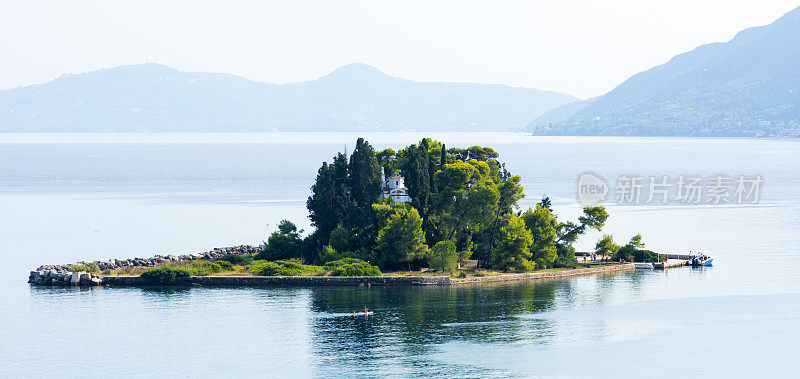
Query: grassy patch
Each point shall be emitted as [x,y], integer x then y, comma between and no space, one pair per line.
[281,268]
[225,265]
[126,271]
[195,268]
[200,268]
[236,259]
[352,267]
[165,273]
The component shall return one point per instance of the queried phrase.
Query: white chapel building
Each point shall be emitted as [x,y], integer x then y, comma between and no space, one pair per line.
[394,187]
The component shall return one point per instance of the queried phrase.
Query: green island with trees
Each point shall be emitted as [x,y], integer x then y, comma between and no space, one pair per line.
[464,206]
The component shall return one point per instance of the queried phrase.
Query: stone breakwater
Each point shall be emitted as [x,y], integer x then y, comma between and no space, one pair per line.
[64,275]
[54,278]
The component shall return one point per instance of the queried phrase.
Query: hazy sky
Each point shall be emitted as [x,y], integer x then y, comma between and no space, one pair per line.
[580,47]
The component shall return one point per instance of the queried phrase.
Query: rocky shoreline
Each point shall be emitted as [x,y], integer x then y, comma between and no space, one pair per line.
[62,275]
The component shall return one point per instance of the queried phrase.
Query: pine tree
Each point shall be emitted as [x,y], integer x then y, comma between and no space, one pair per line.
[402,239]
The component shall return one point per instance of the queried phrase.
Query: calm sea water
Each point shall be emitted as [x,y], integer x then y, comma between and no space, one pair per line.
[73,197]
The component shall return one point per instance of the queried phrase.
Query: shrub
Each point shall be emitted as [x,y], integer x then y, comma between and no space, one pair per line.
[631,254]
[283,243]
[165,273]
[236,259]
[647,256]
[225,265]
[356,269]
[334,264]
[76,268]
[281,268]
[462,275]
[200,268]
[267,268]
[329,254]
[92,267]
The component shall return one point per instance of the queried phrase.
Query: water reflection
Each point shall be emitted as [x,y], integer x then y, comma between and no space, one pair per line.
[164,292]
[410,321]
[57,292]
[313,328]
[605,285]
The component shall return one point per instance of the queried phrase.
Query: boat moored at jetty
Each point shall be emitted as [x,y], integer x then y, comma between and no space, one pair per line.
[700,259]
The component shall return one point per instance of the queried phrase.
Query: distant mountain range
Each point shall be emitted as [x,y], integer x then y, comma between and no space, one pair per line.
[155,98]
[749,86]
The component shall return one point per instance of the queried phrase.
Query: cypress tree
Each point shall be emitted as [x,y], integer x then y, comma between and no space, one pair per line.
[410,171]
[423,178]
[364,175]
[342,197]
[324,200]
[432,168]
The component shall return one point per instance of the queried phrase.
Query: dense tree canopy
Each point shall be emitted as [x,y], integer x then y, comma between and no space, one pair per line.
[464,203]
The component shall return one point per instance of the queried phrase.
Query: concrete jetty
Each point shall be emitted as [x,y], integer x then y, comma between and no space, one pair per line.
[670,263]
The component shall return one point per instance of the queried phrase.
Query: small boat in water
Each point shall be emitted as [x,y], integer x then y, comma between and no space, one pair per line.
[659,265]
[366,312]
[644,266]
[700,259]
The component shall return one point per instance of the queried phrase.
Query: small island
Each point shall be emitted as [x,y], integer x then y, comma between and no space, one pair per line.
[425,214]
